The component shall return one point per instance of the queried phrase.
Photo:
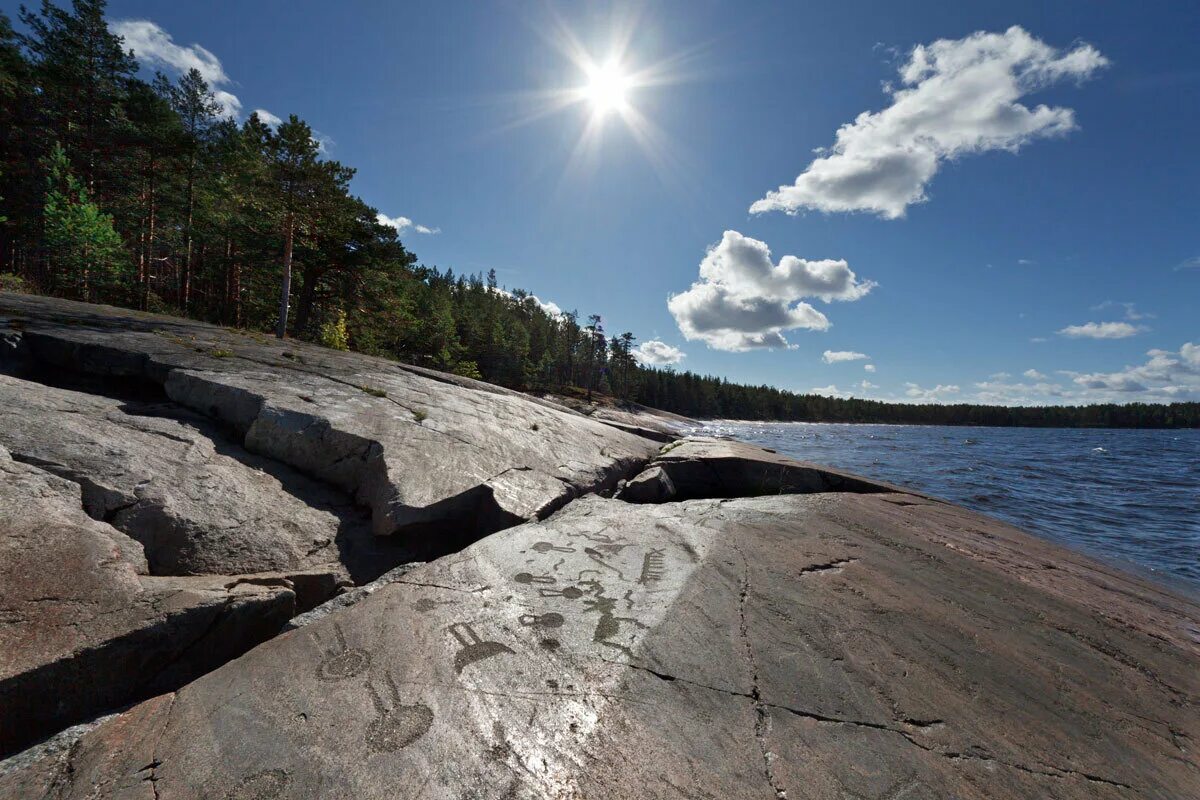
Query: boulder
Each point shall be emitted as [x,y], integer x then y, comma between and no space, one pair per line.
[698,466]
[84,630]
[197,503]
[431,455]
[837,644]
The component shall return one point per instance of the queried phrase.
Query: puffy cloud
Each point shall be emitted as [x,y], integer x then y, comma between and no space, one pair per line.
[1165,376]
[866,384]
[1003,393]
[154,48]
[935,395]
[1191,263]
[1034,375]
[1101,330]
[402,224]
[828,391]
[869,367]
[837,356]
[745,301]
[956,97]
[656,353]
[268,119]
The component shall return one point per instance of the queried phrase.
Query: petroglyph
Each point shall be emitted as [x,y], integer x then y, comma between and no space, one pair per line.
[529,578]
[398,724]
[472,648]
[609,624]
[343,662]
[654,566]
[546,547]
[266,785]
[596,556]
[547,620]
[570,592]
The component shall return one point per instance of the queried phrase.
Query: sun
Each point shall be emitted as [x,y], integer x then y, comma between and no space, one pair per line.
[607,88]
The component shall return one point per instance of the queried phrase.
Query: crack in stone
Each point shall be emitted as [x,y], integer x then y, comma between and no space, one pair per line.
[829,566]
[762,719]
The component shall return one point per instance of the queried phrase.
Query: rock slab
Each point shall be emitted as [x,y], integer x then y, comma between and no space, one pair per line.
[83,630]
[823,645]
[429,454]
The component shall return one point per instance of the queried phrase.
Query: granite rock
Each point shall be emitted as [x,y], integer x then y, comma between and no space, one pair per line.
[818,645]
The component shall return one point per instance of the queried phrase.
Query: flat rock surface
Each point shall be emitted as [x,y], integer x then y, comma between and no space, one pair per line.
[422,450]
[83,630]
[820,645]
[197,503]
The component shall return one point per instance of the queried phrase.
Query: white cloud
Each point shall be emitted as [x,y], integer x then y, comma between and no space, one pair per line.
[866,384]
[999,376]
[744,300]
[402,224]
[549,306]
[934,395]
[1191,263]
[828,391]
[268,119]
[869,367]
[837,356]
[1004,393]
[1166,376]
[155,48]
[1131,312]
[1101,330]
[1026,262]
[656,353]
[956,97]
[1034,375]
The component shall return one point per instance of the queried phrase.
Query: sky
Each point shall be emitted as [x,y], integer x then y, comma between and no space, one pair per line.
[946,202]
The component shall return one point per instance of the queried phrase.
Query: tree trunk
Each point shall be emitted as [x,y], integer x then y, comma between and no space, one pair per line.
[185,277]
[286,290]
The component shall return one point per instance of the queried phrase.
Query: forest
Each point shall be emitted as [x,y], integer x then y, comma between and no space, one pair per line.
[145,194]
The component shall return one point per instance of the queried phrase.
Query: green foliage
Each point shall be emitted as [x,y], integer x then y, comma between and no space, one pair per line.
[12,282]
[88,255]
[141,193]
[334,334]
[420,415]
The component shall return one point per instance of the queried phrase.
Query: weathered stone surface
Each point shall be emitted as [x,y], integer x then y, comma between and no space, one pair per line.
[651,423]
[699,466]
[198,504]
[82,631]
[802,646]
[420,449]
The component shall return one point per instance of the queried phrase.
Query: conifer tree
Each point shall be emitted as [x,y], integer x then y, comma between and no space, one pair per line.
[86,254]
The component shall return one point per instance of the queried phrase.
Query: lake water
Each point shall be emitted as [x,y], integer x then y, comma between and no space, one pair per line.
[1122,495]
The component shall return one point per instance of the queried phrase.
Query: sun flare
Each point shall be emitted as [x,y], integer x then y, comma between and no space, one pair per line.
[607,88]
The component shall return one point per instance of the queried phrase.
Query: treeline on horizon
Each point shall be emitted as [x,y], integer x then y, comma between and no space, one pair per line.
[143,194]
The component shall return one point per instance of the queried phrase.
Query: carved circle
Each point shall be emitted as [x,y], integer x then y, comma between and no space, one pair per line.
[265,785]
[399,728]
[344,665]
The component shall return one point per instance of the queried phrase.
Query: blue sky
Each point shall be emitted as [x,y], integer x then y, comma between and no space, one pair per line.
[980,232]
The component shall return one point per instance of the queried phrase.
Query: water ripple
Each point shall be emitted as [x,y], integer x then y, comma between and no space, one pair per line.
[1123,495]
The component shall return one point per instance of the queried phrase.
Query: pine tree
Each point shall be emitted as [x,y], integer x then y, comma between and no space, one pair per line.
[84,250]
[295,172]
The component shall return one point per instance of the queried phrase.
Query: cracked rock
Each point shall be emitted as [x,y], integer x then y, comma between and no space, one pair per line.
[418,448]
[84,630]
[803,645]
[166,477]
[700,467]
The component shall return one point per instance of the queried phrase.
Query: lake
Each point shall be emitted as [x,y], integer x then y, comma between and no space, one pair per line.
[1122,495]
